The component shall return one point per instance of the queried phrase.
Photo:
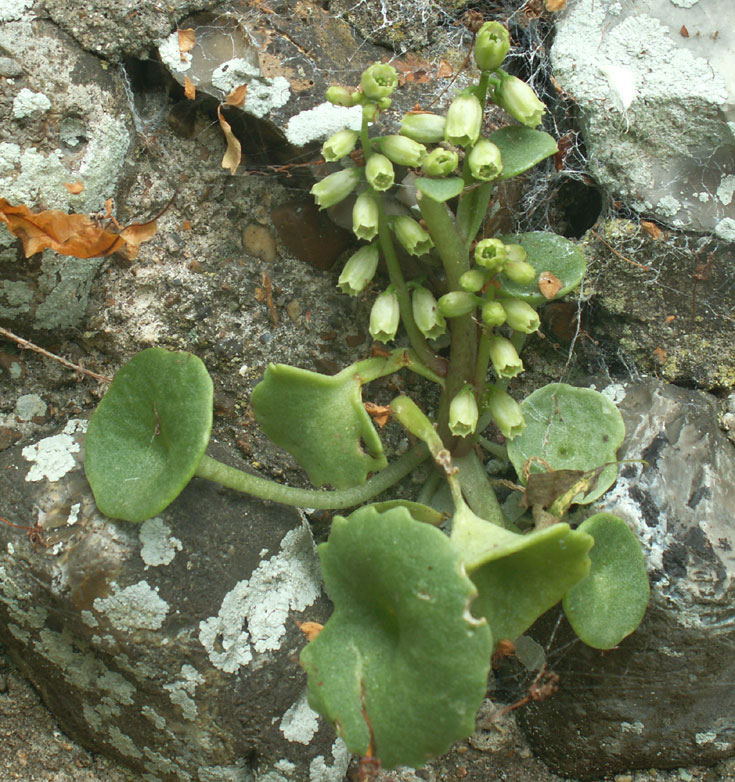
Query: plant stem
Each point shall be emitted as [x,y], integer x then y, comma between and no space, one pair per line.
[483,359]
[236,479]
[477,489]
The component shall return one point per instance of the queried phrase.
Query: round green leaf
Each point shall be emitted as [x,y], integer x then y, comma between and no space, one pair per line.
[401,662]
[570,429]
[522,148]
[148,434]
[609,603]
[547,252]
[321,421]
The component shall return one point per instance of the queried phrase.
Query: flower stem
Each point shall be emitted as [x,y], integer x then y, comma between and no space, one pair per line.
[232,478]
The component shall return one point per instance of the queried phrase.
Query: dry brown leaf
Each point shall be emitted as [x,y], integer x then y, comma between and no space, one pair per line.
[660,355]
[237,96]
[310,629]
[444,71]
[381,413]
[233,154]
[555,5]
[549,284]
[76,235]
[652,229]
[684,32]
[190,91]
[75,188]
[187,39]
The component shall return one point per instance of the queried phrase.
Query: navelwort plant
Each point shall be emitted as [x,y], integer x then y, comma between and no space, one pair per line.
[401,667]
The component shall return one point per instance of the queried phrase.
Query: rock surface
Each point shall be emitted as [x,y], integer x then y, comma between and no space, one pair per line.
[656,89]
[664,696]
[169,645]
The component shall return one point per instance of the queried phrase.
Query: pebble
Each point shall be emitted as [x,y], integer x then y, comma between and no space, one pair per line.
[258,241]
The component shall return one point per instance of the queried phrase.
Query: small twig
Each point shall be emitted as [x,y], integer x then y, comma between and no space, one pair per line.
[24,343]
[35,533]
[620,255]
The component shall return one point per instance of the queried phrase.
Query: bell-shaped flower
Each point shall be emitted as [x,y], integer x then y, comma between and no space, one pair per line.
[491,254]
[491,45]
[336,187]
[519,100]
[440,162]
[521,316]
[493,314]
[504,357]
[473,280]
[378,81]
[339,145]
[464,120]
[402,150]
[359,270]
[365,217]
[463,413]
[425,128]
[342,96]
[506,412]
[426,313]
[385,317]
[520,272]
[457,303]
[379,172]
[413,238]
[485,161]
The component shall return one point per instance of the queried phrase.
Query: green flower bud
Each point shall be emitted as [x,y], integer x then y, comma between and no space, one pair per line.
[370,111]
[339,145]
[426,313]
[516,252]
[520,272]
[464,120]
[463,413]
[504,357]
[365,217]
[440,162]
[359,270]
[485,161]
[402,151]
[491,45]
[385,317]
[336,187]
[379,172]
[426,128]
[457,303]
[491,254]
[378,81]
[411,235]
[493,314]
[506,412]
[521,316]
[383,103]
[342,96]
[519,100]
[473,280]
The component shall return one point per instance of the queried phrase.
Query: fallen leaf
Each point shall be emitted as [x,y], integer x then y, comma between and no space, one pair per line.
[669,318]
[75,234]
[259,294]
[190,91]
[444,71]
[555,5]
[233,154]
[549,285]
[652,229]
[543,488]
[237,96]
[381,413]
[684,32]
[660,355]
[186,225]
[74,187]
[187,39]
[310,629]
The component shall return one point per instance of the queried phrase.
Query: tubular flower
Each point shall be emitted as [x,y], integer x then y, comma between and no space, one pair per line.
[402,150]
[506,412]
[463,412]
[519,271]
[504,357]
[365,217]
[464,120]
[339,145]
[519,100]
[491,254]
[491,45]
[425,128]
[385,317]
[426,313]
[485,161]
[521,316]
[413,238]
[379,172]
[457,303]
[336,187]
[359,270]
[378,81]
[440,162]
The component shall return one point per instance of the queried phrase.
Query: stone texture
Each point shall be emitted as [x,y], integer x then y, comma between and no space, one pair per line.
[664,697]
[172,645]
[655,86]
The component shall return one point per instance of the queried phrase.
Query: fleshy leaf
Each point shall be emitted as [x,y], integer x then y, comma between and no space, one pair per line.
[401,662]
[518,577]
[547,252]
[148,434]
[440,189]
[609,603]
[569,428]
[321,421]
[522,148]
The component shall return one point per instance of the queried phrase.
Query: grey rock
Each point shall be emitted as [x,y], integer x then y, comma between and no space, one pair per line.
[66,123]
[171,646]
[664,696]
[656,88]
